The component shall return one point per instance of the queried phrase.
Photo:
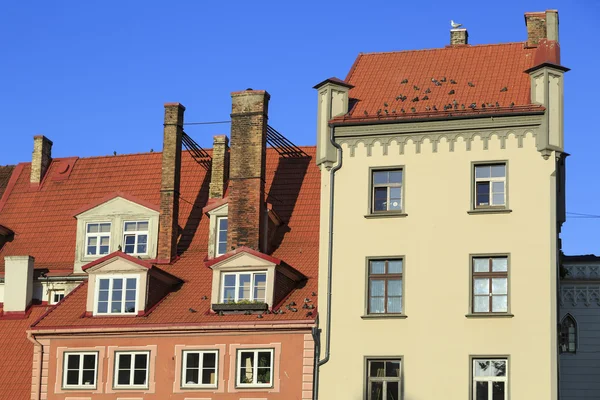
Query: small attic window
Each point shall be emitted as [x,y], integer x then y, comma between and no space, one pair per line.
[135,237]
[244,286]
[116,294]
[97,238]
[221,236]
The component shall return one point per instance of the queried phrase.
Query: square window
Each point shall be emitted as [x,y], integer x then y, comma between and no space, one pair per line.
[386,190]
[384,379]
[131,369]
[97,239]
[385,286]
[56,296]
[244,286]
[200,368]
[116,295]
[490,185]
[255,368]
[80,370]
[135,237]
[490,379]
[490,284]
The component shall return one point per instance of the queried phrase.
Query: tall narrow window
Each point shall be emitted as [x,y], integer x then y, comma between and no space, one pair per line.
[385,287]
[255,368]
[383,379]
[490,284]
[386,190]
[221,237]
[97,239]
[239,286]
[200,368]
[131,369]
[116,295]
[80,369]
[135,237]
[490,379]
[568,334]
[490,185]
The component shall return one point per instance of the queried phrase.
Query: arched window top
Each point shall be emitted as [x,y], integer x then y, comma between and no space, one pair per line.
[568,334]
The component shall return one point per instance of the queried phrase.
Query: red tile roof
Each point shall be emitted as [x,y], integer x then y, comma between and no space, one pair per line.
[5,173]
[16,353]
[492,77]
[44,226]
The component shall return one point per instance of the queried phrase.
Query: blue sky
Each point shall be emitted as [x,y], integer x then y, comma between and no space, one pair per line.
[93,76]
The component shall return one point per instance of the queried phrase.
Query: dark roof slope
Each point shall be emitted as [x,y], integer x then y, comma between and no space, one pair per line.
[5,173]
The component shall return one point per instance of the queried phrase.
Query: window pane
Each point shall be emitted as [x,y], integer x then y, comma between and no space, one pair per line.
[394,267]
[482,171]
[393,392]
[263,375]
[380,177]
[129,240]
[377,391]
[208,377]
[482,304]
[117,294]
[481,264]
[481,286]
[103,295]
[378,267]
[88,377]
[142,226]
[130,226]
[92,241]
[104,228]
[482,367]
[499,286]
[498,391]
[210,360]
[394,287]
[103,307]
[498,171]
[229,280]
[222,247]
[498,199]
[129,248]
[264,359]
[499,368]
[498,187]
[380,201]
[246,367]
[141,360]
[129,306]
[229,294]
[125,361]
[395,176]
[72,377]
[131,283]
[115,306]
[377,287]
[89,361]
[142,239]
[376,305]
[392,369]
[92,228]
[117,284]
[483,193]
[500,264]
[130,295]
[244,288]
[500,304]
[123,378]
[192,360]
[73,361]
[394,304]
[377,369]
[481,391]
[191,376]
[139,377]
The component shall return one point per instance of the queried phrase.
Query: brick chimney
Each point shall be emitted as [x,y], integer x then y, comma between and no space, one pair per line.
[40,159]
[169,185]
[220,167]
[459,36]
[541,25]
[18,284]
[249,114]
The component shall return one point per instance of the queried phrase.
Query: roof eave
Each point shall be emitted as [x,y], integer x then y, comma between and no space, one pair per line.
[547,64]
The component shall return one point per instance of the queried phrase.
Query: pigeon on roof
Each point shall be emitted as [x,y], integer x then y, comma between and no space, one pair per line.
[454,24]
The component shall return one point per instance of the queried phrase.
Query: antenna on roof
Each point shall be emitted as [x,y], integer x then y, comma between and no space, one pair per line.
[282,145]
[198,153]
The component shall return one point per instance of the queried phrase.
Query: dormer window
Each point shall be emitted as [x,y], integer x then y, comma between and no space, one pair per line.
[135,237]
[116,294]
[244,286]
[97,238]
[221,236]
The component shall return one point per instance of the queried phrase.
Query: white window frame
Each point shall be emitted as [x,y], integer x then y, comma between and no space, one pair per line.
[97,235]
[489,379]
[79,385]
[201,353]
[111,278]
[218,231]
[131,385]
[54,292]
[254,368]
[237,284]
[388,186]
[136,234]
[491,181]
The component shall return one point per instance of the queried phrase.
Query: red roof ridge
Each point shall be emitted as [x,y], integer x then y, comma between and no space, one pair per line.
[470,46]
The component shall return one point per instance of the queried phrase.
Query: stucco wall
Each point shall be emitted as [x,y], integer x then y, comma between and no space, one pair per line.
[436,238]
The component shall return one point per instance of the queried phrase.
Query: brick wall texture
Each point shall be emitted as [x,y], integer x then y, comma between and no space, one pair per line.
[536,28]
[219,167]
[41,158]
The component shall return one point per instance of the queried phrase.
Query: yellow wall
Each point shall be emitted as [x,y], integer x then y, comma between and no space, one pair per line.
[436,238]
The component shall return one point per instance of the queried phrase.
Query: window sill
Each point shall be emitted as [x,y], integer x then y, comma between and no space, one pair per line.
[384,316]
[490,211]
[490,315]
[79,388]
[386,215]
[130,388]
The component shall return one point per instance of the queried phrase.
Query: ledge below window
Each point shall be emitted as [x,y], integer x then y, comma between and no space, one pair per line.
[384,316]
[490,315]
[490,211]
[225,307]
[386,215]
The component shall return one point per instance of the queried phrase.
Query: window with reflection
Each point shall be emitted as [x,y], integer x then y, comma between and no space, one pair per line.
[255,368]
[568,334]
[221,237]
[386,190]
[385,286]
[244,286]
[116,295]
[490,185]
[200,368]
[97,239]
[490,379]
[135,237]
[384,379]
[490,284]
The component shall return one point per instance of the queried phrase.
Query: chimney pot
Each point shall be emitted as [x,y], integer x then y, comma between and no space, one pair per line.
[459,36]
[41,158]
[18,283]
[220,167]
[169,185]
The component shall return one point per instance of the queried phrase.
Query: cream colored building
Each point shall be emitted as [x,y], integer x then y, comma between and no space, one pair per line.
[440,242]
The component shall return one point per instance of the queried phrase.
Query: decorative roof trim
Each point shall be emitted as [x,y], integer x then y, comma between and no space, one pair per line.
[335,81]
[214,203]
[239,250]
[117,254]
[114,195]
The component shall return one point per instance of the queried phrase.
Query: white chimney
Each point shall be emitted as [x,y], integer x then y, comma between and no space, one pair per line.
[18,283]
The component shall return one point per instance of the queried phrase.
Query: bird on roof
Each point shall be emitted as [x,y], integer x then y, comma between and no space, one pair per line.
[416,87]
[454,25]
[366,112]
[404,81]
[413,109]
[385,104]
[504,89]
[471,84]
[428,90]
[451,92]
